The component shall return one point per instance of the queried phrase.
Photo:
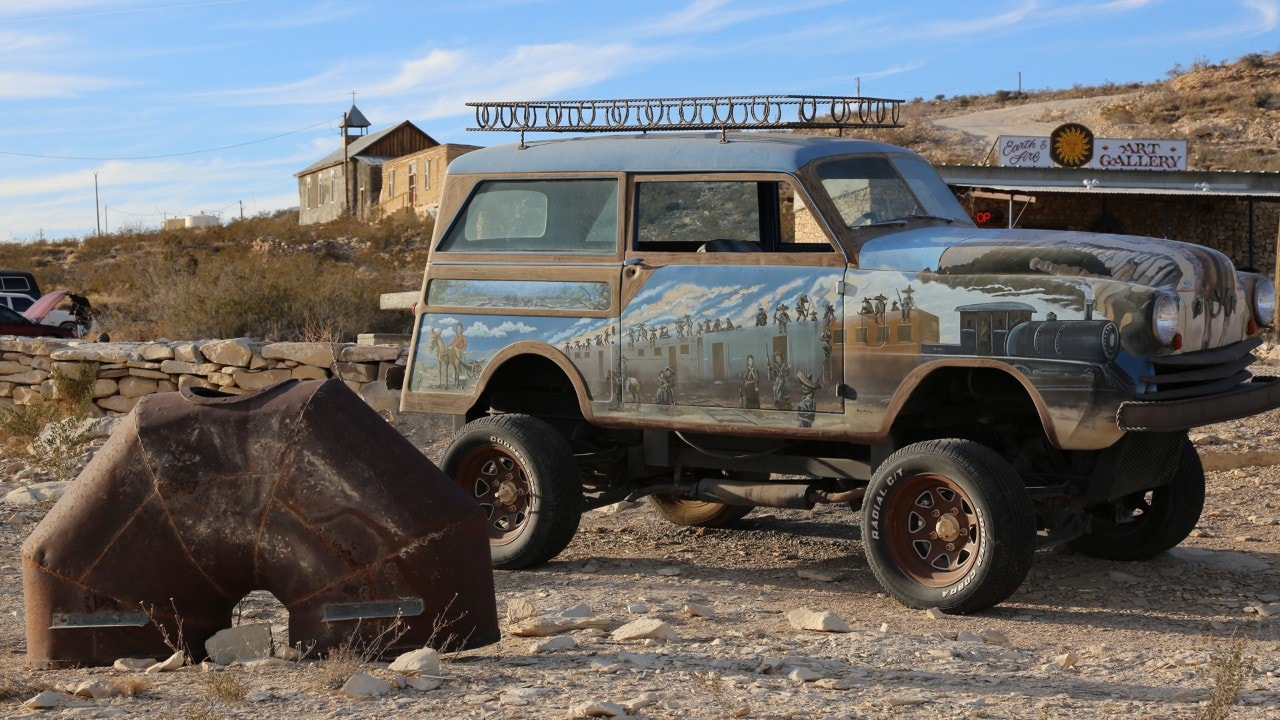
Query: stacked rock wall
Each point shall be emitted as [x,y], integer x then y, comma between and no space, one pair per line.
[128,371]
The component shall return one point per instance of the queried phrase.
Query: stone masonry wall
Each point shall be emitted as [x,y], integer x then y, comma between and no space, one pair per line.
[129,371]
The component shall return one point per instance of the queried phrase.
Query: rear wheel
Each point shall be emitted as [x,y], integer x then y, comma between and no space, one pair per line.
[948,524]
[1145,523]
[524,477]
[695,513]
[700,513]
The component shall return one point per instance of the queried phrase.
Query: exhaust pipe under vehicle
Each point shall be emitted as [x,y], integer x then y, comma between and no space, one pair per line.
[768,494]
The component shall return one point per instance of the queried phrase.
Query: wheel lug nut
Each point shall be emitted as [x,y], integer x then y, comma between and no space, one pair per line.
[951,546]
[936,513]
[933,536]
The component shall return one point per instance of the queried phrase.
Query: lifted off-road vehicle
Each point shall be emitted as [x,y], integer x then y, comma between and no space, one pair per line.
[728,319]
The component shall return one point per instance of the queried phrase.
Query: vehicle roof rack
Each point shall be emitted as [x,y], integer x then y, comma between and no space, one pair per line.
[735,112]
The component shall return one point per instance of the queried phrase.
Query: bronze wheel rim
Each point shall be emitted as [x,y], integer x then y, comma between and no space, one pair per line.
[932,530]
[499,485]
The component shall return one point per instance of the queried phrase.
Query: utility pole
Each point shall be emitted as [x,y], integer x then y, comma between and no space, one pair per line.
[858,82]
[1019,82]
[97,212]
[241,209]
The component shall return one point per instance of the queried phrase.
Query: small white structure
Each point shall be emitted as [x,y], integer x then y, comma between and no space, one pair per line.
[201,221]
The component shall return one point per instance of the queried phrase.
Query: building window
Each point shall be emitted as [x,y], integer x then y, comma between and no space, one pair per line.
[391,184]
[413,184]
[426,174]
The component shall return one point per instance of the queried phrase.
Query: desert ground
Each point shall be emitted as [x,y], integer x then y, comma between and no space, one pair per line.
[1083,638]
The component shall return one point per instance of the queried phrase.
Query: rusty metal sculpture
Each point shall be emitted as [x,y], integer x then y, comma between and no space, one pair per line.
[299,489]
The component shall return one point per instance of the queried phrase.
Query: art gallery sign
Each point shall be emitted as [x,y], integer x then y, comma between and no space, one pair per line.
[1073,145]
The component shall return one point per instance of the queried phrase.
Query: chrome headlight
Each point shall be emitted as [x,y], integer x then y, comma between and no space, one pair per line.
[1264,302]
[1164,317]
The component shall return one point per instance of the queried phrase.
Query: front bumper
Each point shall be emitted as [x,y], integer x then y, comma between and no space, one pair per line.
[1259,395]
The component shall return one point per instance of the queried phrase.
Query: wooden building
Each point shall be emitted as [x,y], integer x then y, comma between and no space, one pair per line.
[348,181]
[415,181]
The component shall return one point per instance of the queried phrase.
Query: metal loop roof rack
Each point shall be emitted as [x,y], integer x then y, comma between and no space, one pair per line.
[739,112]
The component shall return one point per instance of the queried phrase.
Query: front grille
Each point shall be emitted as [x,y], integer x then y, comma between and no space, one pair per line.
[1196,374]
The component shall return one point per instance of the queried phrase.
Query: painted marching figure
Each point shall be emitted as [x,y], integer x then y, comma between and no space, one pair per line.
[779,370]
[749,392]
[782,317]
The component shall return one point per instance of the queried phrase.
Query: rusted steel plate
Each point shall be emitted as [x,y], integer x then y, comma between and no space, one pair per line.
[299,489]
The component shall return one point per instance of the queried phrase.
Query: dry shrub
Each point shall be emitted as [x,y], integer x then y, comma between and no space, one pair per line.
[1228,668]
[19,686]
[225,685]
[359,648]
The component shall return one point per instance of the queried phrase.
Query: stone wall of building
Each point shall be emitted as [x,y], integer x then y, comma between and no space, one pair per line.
[128,371]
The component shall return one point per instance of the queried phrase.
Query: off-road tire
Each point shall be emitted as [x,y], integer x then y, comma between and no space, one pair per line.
[700,513]
[695,513]
[523,475]
[948,524]
[1162,517]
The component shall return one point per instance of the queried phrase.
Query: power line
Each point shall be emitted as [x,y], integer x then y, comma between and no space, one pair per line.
[166,155]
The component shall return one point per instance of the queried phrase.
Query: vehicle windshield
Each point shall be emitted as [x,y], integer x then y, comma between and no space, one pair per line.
[879,190]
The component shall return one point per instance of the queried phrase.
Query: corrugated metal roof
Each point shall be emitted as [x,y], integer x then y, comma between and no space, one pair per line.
[1204,183]
[1103,189]
[357,146]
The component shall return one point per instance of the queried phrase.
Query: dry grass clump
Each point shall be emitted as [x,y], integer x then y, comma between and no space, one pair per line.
[227,686]
[19,686]
[58,453]
[360,648]
[1228,669]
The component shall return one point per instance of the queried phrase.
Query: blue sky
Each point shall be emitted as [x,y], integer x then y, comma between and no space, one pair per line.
[184,106]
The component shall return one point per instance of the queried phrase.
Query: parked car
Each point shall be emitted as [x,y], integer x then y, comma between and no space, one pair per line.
[13,323]
[19,281]
[22,303]
[723,320]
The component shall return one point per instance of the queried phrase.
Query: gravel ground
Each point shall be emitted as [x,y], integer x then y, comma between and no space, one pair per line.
[1083,638]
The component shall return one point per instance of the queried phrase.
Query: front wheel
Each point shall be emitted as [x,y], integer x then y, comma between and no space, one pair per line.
[1147,522]
[525,479]
[948,524]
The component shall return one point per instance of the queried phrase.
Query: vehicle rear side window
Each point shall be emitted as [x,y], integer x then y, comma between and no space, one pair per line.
[562,216]
[724,216]
[14,284]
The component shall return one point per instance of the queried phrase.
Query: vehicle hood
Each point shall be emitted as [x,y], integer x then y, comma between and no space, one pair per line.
[1176,266]
[41,308]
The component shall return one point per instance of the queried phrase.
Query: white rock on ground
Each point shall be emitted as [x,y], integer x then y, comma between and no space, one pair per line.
[364,685]
[424,661]
[644,628]
[239,644]
[173,662]
[819,621]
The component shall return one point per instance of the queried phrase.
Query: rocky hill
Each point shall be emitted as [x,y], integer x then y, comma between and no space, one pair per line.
[1229,113]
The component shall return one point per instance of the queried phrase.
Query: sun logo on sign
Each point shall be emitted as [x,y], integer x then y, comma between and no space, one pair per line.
[1071,145]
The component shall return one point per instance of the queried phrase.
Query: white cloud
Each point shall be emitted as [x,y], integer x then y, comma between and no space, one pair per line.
[979,25]
[480,330]
[20,85]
